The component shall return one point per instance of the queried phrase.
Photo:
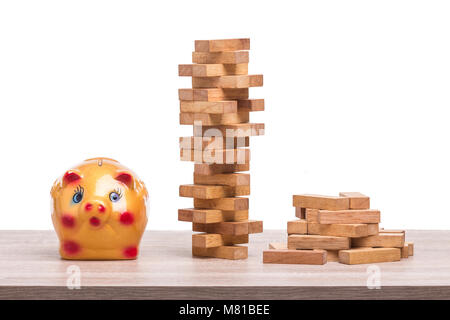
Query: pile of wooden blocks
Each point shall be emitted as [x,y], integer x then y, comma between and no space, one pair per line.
[342,229]
[218,107]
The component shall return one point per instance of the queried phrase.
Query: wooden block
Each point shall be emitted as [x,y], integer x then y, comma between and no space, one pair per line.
[320,202]
[297,241]
[234,216]
[185,215]
[255,226]
[213,107]
[211,119]
[316,257]
[222,45]
[220,168]
[410,248]
[405,251]
[278,246]
[234,228]
[213,143]
[228,82]
[349,216]
[212,240]
[384,240]
[213,192]
[223,252]
[211,215]
[297,227]
[344,230]
[312,215]
[250,105]
[369,255]
[357,200]
[391,231]
[231,156]
[224,179]
[372,229]
[230,131]
[313,228]
[212,70]
[332,255]
[300,213]
[230,204]
[230,57]
[212,94]
[200,215]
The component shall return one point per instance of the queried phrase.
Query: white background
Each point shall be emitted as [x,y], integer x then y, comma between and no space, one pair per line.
[357,99]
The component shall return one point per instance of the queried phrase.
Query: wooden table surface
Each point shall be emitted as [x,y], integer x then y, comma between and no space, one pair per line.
[30,268]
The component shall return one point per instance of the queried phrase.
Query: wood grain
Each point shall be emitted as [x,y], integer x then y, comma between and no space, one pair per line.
[212,192]
[296,241]
[212,70]
[232,203]
[211,119]
[221,57]
[213,107]
[297,227]
[313,228]
[212,94]
[349,216]
[222,45]
[212,240]
[320,202]
[391,230]
[312,215]
[230,82]
[357,200]
[211,215]
[314,257]
[344,230]
[223,179]
[232,228]
[369,255]
[220,168]
[223,252]
[385,240]
[251,105]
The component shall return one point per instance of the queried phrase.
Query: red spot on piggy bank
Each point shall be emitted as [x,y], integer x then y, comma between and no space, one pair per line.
[99,211]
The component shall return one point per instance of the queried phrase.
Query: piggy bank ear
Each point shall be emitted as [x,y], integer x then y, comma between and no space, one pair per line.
[70,176]
[125,178]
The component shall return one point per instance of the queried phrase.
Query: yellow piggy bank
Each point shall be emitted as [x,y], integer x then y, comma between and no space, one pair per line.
[99,211]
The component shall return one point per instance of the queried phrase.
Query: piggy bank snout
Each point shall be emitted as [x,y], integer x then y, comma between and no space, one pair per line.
[94,206]
[95,211]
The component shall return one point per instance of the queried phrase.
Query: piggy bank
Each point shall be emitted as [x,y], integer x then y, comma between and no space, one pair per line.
[99,211]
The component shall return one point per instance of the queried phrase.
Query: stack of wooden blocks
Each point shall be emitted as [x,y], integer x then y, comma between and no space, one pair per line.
[218,107]
[342,229]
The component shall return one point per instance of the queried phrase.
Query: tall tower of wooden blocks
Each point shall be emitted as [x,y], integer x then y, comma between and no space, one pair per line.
[218,107]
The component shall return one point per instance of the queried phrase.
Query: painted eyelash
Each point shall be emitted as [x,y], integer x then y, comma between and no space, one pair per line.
[119,192]
[79,189]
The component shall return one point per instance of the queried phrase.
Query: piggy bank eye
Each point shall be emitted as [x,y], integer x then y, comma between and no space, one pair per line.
[78,196]
[115,196]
